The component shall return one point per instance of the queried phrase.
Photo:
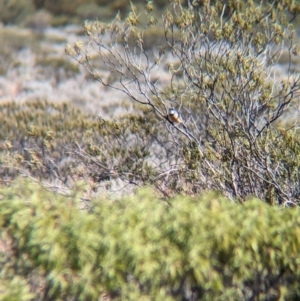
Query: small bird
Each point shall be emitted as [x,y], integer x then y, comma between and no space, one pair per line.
[174,116]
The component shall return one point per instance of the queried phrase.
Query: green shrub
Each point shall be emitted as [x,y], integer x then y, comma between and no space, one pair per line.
[203,248]
[60,144]
[37,137]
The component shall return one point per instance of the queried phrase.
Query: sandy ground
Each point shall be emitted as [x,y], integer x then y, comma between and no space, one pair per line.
[28,80]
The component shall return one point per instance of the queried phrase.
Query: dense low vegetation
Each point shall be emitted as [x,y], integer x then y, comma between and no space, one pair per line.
[141,248]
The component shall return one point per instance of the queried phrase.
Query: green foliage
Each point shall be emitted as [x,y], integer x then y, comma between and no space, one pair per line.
[142,248]
[58,142]
[15,289]
[37,135]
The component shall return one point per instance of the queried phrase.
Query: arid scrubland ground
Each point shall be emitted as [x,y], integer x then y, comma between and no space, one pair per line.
[33,60]
[34,66]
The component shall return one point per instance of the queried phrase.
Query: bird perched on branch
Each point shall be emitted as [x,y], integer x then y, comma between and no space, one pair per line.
[174,116]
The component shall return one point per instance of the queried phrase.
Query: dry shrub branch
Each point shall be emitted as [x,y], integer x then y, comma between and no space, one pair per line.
[222,61]
[227,67]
